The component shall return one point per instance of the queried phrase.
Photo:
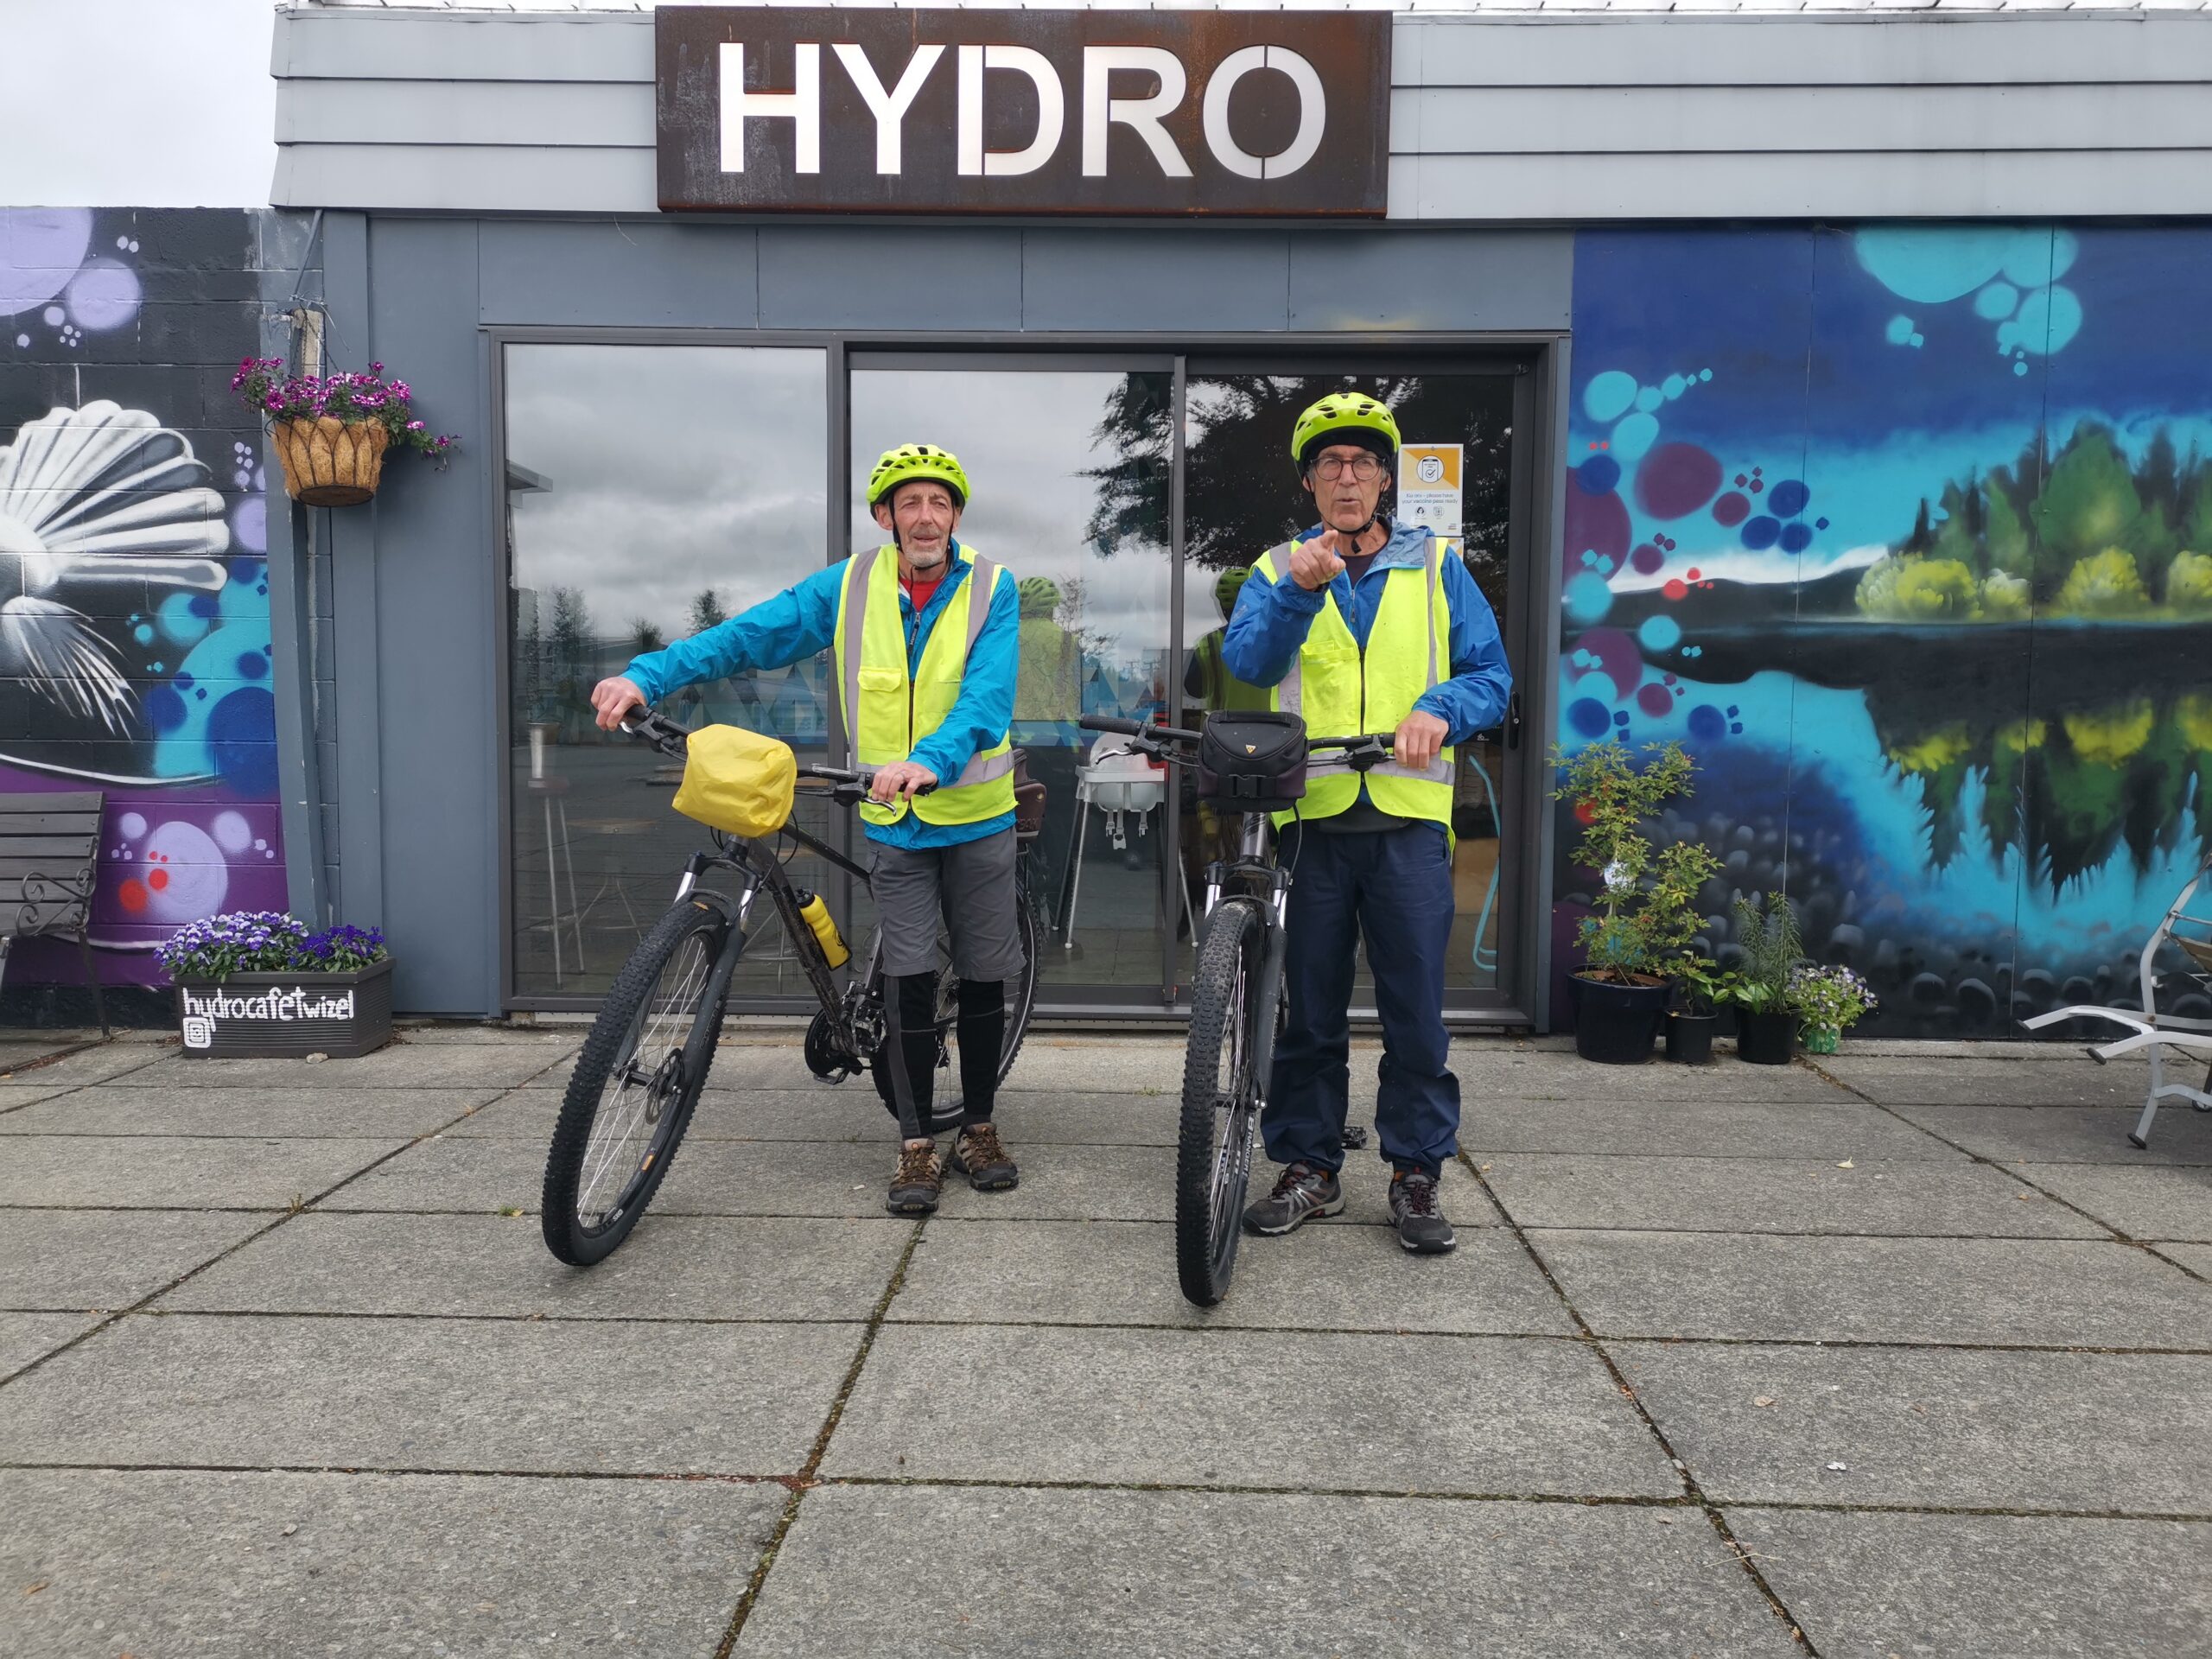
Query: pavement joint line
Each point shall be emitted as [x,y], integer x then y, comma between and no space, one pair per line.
[1691,1485]
[411,1472]
[2120,1233]
[808,1474]
[2162,1249]
[278,1218]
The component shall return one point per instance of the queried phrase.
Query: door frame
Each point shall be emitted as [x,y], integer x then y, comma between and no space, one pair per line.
[1539,360]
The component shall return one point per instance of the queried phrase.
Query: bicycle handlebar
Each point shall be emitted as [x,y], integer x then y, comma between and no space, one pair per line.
[847,787]
[1364,749]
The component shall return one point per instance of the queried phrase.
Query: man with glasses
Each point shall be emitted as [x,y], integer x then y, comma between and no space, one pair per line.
[926,633]
[1363,624]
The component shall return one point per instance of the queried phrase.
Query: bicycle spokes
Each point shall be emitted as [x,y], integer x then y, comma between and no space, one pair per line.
[648,1076]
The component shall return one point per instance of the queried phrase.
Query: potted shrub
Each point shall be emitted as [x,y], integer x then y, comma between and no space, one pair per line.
[256,983]
[1645,917]
[1766,1029]
[330,432]
[1828,1001]
[1700,989]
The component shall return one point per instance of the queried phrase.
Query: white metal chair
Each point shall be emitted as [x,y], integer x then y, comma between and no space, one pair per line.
[2150,1029]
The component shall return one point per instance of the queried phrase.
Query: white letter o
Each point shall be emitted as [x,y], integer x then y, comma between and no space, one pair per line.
[1313,112]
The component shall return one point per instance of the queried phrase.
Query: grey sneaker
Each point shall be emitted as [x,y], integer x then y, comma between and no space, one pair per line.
[917,1184]
[1422,1227]
[1302,1192]
[978,1154]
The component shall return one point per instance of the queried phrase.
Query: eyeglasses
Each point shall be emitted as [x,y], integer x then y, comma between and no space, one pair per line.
[1361,467]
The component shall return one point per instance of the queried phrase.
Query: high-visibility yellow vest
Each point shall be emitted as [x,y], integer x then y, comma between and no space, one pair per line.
[886,711]
[1340,690]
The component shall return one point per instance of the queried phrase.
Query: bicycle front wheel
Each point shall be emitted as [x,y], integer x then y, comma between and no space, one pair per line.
[635,1084]
[1221,1101]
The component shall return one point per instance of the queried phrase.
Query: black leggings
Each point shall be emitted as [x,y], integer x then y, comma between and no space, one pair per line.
[910,1017]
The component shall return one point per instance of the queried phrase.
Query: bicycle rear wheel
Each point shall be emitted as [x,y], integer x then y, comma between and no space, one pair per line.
[635,1084]
[1221,1101]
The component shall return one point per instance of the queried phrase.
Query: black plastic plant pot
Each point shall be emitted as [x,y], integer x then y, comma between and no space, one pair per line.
[286,1016]
[1764,1038]
[1689,1038]
[1616,1025]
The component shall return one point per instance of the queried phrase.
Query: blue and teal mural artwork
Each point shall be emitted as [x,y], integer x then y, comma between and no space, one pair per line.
[1906,534]
[133,596]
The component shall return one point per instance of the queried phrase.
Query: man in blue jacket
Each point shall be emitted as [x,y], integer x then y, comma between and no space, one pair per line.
[1361,625]
[926,635]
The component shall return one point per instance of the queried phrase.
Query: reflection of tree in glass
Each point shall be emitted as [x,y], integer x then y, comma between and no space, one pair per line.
[645,636]
[707,611]
[573,658]
[1241,494]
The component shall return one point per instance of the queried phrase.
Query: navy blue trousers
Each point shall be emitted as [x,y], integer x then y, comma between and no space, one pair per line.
[1394,887]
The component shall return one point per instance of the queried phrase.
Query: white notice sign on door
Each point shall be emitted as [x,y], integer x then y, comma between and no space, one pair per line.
[1428,487]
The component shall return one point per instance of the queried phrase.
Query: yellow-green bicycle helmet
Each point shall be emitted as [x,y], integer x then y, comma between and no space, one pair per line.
[911,461]
[1344,418]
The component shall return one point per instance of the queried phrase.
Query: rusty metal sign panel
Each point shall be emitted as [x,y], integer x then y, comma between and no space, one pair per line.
[773,109]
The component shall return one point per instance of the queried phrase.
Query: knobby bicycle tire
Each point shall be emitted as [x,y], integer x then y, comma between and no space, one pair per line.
[1213,1145]
[655,1088]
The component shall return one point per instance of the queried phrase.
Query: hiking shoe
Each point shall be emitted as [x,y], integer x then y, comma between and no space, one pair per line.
[978,1154]
[1301,1191]
[1422,1227]
[920,1179]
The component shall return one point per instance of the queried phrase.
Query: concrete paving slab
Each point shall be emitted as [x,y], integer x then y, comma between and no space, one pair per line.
[2059,1292]
[100,1064]
[1902,1080]
[2067,1134]
[1077,1184]
[370,1114]
[2197,1258]
[1709,1129]
[514,1036]
[1868,1586]
[24,1337]
[1953,1428]
[818,1113]
[1420,1414]
[14,1095]
[2145,1201]
[78,1259]
[446,1173]
[522,1397]
[243,1565]
[671,1268]
[1105,1573]
[1542,1075]
[1318,1278]
[1758,1195]
[402,1066]
[163,1172]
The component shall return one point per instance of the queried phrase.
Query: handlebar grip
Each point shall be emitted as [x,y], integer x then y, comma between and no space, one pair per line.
[1110,723]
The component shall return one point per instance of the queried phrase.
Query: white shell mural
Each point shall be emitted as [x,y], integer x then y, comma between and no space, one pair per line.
[89,497]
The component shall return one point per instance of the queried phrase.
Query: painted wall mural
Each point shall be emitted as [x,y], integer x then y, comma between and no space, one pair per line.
[133,596]
[1906,534]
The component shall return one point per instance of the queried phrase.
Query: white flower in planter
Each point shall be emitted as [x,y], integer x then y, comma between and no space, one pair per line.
[89,498]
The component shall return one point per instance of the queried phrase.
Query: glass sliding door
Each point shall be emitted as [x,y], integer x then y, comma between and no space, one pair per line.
[650,492]
[1241,496]
[1071,464]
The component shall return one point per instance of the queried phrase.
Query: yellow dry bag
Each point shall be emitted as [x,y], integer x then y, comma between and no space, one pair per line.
[737,781]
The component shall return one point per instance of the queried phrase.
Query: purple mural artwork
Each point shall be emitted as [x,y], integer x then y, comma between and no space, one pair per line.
[1921,577]
[133,636]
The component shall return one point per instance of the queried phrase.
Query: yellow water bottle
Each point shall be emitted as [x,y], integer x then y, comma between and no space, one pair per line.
[816,911]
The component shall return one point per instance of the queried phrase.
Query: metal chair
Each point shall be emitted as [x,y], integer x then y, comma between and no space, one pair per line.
[2150,1029]
[49,865]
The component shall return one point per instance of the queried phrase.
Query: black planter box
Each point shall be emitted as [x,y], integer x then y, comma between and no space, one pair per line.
[256,1016]
[1616,1025]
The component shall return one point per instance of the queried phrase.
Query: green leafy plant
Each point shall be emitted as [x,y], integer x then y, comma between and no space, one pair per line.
[1646,916]
[1766,927]
[1704,985]
[1829,999]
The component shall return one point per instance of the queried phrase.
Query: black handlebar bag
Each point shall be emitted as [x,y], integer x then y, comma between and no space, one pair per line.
[1253,761]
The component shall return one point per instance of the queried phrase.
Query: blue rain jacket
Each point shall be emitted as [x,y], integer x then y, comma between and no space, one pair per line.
[802,620]
[1269,625]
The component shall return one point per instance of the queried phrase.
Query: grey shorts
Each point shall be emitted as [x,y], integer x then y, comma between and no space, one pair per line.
[966,891]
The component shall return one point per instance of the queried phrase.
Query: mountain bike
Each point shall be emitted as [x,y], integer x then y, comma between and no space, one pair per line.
[641,1069]
[1236,1011]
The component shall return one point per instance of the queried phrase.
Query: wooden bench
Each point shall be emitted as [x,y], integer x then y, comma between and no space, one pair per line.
[49,861]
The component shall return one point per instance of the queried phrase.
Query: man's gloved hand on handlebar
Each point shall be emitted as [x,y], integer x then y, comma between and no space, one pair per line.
[612,699]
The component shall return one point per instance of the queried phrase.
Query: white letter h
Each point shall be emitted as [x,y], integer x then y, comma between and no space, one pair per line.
[802,105]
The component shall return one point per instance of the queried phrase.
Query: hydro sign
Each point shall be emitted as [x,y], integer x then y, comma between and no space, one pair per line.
[769,109]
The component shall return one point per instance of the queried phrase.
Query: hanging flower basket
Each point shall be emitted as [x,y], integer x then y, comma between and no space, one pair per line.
[330,432]
[329,463]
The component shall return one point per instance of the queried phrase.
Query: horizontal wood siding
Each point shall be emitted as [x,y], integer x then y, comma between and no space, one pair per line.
[1550,118]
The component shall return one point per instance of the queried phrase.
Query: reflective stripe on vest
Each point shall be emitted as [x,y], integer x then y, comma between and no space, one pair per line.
[1340,690]
[886,711]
